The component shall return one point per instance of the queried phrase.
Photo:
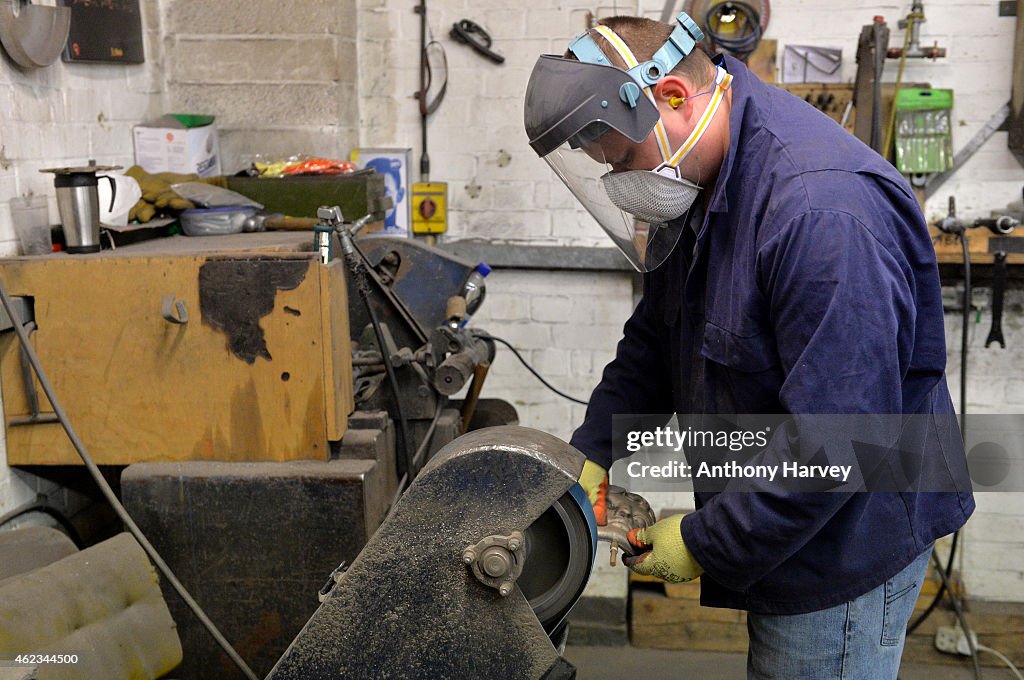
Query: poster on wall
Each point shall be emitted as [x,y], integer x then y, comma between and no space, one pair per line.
[107,31]
[394,165]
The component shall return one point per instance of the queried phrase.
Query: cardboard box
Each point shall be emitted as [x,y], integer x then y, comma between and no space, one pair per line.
[179,143]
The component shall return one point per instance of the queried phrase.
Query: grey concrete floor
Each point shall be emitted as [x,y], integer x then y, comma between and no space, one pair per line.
[623,663]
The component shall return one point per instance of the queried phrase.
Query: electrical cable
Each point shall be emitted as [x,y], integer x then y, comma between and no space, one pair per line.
[1004,659]
[421,452]
[942,587]
[485,336]
[961,619]
[431,106]
[964,336]
[947,573]
[743,46]
[356,264]
[108,493]
[41,505]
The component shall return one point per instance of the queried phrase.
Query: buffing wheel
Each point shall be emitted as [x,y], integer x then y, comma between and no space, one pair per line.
[561,545]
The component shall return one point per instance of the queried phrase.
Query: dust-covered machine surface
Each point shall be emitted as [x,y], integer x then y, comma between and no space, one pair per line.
[471,575]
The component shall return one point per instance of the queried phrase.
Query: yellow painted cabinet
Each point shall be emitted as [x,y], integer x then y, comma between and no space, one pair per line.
[260,370]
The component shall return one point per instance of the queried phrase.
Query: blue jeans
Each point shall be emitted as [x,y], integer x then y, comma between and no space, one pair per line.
[859,640]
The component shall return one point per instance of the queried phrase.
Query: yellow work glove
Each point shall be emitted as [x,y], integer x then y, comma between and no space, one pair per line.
[667,556]
[157,194]
[594,480]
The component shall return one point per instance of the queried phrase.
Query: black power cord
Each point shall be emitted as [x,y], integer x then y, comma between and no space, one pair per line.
[952,226]
[531,369]
[357,265]
[961,619]
[735,14]
[474,35]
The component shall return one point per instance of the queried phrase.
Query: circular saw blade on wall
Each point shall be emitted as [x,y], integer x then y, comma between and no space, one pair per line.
[33,35]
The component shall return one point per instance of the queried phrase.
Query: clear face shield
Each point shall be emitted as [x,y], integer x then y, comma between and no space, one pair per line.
[583,113]
[628,207]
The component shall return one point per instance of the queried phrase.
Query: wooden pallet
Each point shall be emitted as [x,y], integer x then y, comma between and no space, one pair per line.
[669,616]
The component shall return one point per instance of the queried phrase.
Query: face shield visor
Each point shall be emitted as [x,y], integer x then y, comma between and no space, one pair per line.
[581,114]
[629,208]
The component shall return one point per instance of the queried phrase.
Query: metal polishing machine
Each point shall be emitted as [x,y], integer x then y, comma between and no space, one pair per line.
[472,574]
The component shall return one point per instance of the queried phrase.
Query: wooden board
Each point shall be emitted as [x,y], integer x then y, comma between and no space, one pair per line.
[832,98]
[337,350]
[673,619]
[660,622]
[139,388]
[762,61]
[949,251]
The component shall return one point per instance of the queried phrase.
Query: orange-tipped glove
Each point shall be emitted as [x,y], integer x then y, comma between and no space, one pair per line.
[666,555]
[594,480]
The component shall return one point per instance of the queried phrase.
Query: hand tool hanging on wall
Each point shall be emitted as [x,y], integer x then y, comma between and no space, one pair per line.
[1000,246]
[427,105]
[33,35]
[995,334]
[474,35]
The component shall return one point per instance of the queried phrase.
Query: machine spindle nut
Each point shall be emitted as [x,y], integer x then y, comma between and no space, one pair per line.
[496,562]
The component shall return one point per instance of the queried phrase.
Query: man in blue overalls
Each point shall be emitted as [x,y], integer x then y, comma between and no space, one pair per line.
[787,270]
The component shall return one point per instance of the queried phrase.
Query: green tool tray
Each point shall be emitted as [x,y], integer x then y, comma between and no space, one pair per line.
[356,193]
[923,141]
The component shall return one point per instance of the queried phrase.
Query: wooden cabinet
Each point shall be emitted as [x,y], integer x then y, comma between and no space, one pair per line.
[260,371]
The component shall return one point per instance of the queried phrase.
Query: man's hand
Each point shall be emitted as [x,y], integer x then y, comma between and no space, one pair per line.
[667,556]
[594,480]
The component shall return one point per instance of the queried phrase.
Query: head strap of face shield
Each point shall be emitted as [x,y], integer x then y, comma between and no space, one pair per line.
[681,42]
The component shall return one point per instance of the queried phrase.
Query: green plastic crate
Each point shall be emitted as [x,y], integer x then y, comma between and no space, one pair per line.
[357,193]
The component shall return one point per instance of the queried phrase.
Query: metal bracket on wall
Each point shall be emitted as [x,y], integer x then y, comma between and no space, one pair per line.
[961,157]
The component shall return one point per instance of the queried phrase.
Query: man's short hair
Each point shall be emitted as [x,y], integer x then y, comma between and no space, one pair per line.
[645,37]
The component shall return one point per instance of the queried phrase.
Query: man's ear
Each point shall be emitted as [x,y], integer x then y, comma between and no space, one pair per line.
[673,90]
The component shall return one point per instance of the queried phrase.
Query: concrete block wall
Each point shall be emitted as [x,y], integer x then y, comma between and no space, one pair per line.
[64,115]
[279,76]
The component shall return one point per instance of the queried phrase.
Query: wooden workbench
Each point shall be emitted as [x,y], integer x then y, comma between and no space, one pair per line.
[261,370]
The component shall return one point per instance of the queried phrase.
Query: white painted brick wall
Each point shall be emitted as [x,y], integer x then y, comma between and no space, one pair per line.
[59,116]
[993,386]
